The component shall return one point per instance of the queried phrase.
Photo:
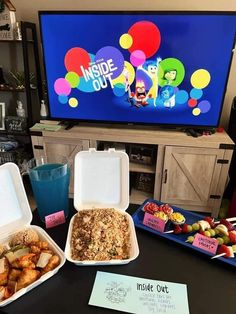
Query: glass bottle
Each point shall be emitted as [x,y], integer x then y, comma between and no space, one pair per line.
[43,110]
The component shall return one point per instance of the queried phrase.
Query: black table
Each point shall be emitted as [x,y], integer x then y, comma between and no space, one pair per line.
[211,284]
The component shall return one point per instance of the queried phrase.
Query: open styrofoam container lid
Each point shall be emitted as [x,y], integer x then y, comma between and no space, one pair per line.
[15,211]
[101,179]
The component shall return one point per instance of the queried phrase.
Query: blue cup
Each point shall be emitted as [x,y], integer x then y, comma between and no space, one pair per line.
[50,177]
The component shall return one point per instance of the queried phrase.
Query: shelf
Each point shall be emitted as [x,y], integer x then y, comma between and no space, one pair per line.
[28,51]
[15,90]
[138,197]
[14,134]
[8,89]
[15,41]
[135,167]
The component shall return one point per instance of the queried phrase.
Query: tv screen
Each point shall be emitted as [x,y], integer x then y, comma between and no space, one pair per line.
[165,68]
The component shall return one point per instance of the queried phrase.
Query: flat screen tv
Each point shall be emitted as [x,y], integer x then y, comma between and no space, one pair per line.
[162,68]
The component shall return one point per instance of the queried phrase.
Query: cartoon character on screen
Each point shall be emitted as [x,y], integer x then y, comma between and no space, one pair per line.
[150,67]
[127,85]
[169,76]
[167,96]
[140,95]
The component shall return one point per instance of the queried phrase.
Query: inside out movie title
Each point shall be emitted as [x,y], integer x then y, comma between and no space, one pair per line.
[151,288]
[100,72]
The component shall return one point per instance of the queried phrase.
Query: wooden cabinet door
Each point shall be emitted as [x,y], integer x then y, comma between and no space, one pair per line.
[68,149]
[190,176]
[37,146]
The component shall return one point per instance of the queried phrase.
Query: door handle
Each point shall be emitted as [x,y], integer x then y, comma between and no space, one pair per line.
[38,147]
[165,176]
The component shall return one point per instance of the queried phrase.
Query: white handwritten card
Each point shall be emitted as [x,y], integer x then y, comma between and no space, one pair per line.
[138,295]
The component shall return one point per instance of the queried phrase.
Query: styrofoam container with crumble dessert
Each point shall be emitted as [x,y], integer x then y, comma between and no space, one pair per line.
[101,233]
[19,273]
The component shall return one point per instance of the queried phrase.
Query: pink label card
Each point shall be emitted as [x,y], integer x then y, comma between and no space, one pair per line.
[154,222]
[205,243]
[55,219]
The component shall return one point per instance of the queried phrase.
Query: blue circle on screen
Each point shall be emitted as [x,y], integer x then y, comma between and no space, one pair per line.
[181,97]
[196,93]
[63,99]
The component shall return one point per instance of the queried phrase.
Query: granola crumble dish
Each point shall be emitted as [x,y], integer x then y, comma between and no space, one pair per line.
[100,235]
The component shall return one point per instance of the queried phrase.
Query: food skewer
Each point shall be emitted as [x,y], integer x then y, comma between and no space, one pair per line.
[204,225]
[218,255]
[227,251]
[231,219]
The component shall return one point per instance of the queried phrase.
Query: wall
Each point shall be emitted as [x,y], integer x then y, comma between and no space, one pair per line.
[27,11]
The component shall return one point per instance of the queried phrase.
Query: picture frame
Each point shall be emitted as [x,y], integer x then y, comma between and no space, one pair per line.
[144,182]
[7,21]
[15,124]
[2,116]
[142,154]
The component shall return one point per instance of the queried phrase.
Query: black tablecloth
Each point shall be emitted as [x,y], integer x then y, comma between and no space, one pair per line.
[211,284]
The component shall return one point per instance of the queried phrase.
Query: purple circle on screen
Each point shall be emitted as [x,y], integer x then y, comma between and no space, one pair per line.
[113,59]
[204,106]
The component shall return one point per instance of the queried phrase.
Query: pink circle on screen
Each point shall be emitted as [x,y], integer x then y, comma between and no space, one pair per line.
[62,86]
[137,58]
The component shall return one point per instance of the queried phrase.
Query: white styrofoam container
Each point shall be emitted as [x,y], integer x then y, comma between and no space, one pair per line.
[101,180]
[15,215]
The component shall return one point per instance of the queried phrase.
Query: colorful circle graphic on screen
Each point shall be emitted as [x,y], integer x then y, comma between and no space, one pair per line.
[126,41]
[73,102]
[181,97]
[137,58]
[196,93]
[146,37]
[63,99]
[112,61]
[86,86]
[200,78]
[196,111]
[62,87]
[204,106]
[192,102]
[171,71]
[128,74]
[72,78]
[75,58]
[119,89]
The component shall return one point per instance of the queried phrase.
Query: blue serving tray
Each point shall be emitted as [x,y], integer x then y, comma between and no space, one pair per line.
[179,238]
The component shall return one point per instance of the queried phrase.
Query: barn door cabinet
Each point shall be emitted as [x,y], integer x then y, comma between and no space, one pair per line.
[194,178]
[188,172]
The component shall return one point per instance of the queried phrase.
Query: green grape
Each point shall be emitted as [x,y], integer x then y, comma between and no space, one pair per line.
[190,239]
[226,239]
[212,232]
[195,226]
[220,240]
[189,228]
[216,231]
[207,233]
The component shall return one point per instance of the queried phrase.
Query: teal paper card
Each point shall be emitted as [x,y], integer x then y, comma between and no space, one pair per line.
[138,295]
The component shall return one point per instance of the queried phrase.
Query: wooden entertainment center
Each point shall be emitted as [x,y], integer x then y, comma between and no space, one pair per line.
[188,172]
